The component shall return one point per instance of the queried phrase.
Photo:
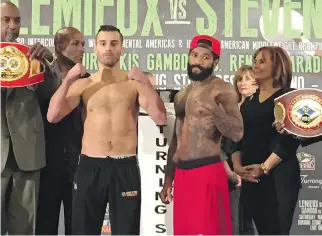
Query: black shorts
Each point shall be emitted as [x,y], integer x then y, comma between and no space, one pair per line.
[101,180]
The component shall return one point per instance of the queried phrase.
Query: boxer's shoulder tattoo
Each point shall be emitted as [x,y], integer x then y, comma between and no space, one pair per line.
[199,123]
[178,126]
[180,101]
[170,169]
[227,116]
[210,116]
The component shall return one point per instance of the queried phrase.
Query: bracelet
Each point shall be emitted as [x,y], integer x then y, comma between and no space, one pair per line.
[264,169]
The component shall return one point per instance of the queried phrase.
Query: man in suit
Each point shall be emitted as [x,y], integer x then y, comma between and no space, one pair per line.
[22,136]
[63,143]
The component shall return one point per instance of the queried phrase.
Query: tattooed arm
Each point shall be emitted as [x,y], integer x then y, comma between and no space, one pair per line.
[166,192]
[170,169]
[228,118]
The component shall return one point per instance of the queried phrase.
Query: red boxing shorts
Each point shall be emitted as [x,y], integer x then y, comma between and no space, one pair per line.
[201,198]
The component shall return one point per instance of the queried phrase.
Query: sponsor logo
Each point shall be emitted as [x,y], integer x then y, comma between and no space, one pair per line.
[311,182]
[305,112]
[306,160]
[130,194]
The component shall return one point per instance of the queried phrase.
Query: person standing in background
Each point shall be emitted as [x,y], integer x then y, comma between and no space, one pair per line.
[63,143]
[265,159]
[22,135]
[245,85]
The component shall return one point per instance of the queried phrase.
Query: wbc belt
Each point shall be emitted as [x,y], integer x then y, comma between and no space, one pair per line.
[16,69]
[301,112]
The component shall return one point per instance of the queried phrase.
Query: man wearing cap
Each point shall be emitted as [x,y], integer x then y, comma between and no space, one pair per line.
[205,110]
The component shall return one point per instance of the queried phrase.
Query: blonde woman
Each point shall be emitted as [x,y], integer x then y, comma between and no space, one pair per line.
[244,83]
[245,86]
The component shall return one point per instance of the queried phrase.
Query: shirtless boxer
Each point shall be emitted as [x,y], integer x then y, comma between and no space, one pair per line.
[108,170]
[205,110]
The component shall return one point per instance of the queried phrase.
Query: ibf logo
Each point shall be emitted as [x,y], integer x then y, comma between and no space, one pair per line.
[307,161]
[178,12]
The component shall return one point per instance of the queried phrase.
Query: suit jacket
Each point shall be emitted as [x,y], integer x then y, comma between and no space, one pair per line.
[21,121]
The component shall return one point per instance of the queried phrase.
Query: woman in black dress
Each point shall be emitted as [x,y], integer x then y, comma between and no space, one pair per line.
[265,159]
[245,86]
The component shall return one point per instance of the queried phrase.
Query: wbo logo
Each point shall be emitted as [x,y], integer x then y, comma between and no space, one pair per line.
[306,160]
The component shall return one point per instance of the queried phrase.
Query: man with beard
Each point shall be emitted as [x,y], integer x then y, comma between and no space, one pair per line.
[108,170]
[63,143]
[205,110]
[22,136]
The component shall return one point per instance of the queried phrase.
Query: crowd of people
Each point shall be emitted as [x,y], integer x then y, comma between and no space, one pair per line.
[46,127]
[72,139]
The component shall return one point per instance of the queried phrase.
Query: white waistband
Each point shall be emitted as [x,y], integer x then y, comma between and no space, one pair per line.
[121,156]
[114,156]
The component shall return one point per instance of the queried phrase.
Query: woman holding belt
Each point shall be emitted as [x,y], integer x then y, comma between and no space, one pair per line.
[270,170]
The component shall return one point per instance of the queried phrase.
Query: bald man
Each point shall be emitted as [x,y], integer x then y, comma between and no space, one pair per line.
[63,143]
[22,135]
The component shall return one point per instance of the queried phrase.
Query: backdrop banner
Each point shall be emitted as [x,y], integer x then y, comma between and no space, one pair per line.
[156,38]
[156,218]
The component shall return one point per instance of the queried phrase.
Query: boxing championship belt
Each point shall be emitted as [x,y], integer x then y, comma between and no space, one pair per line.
[301,112]
[16,69]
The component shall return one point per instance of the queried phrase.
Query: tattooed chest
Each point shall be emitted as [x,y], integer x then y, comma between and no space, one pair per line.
[180,103]
[200,104]
[198,135]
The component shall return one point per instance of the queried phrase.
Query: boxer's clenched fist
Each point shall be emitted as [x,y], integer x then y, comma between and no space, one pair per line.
[166,193]
[136,74]
[76,72]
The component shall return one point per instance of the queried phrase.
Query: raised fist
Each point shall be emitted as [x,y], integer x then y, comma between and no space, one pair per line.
[76,72]
[136,74]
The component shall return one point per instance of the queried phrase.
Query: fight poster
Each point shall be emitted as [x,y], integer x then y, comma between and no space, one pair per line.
[308,215]
[154,141]
[157,34]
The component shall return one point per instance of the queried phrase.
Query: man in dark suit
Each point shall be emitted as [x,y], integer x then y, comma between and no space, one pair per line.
[63,143]
[22,136]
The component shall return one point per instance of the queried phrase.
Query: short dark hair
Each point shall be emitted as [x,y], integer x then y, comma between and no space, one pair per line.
[204,43]
[281,65]
[109,28]
[63,37]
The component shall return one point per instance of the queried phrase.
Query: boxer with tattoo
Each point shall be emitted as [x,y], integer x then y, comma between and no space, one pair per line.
[205,110]
[108,170]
